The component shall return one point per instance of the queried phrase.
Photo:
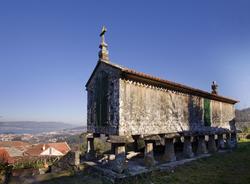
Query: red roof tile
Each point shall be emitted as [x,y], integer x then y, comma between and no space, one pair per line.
[5,157]
[36,150]
[16,144]
[158,82]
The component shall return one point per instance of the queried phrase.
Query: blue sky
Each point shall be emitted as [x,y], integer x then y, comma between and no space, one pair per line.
[48,49]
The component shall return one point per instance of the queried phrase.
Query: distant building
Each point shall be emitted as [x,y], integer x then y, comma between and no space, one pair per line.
[5,158]
[49,149]
[22,146]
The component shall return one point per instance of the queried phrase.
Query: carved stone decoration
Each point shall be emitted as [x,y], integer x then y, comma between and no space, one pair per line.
[214,87]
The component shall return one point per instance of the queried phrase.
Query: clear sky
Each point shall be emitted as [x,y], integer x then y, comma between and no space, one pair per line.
[48,49]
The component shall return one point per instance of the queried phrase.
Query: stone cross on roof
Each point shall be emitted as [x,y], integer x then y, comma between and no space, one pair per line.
[103,53]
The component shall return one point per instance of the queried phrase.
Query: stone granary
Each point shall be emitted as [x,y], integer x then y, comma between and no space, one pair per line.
[126,105]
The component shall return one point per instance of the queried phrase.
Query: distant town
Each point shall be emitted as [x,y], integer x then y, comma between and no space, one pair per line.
[43,137]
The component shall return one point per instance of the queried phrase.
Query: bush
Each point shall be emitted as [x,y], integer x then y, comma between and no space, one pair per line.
[248,136]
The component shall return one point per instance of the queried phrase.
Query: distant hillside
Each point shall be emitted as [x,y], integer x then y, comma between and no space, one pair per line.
[31,127]
[243,115]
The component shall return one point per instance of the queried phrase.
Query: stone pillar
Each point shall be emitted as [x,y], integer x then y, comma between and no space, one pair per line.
[202,147]
[149,160]
[221,143]
[119,149]
[211,144]
[187,147]
[228,141]
[90,148]
[169,153]
[234,140]
[77,158]
[119,163]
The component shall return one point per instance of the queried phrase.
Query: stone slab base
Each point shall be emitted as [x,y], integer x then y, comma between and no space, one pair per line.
[135,169]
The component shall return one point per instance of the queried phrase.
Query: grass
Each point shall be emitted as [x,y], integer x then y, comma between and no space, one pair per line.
[226,168]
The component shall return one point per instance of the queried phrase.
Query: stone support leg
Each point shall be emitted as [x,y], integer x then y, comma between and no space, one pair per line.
[234,140]
[169,153]
[149,160]
[90,149]
[202,147]
[187,147]
[221,143]
[119,163]
[211,144]
[228,141]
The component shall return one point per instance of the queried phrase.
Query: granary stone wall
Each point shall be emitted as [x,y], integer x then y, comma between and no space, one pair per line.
[103,90]
[150,110]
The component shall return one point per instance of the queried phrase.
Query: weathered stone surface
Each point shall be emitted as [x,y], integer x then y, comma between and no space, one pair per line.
[70,161]
[149,160]
[169,152]
[234,141]
[221,142]
[172,135]
[202,147]
[120,139]
[187,148]
[228,141]
[211,144]
[111,125]
[118,164]
[138,109]
[90,155]
[120,149]
[149,110]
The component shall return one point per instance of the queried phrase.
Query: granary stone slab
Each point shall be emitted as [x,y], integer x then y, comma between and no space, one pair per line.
[172,135]
[151,137]
[120,139]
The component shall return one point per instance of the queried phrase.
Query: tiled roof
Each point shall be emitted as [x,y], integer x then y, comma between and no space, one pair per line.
[16,144]
[13,152]
[5,157]
[36,150]
[163,83]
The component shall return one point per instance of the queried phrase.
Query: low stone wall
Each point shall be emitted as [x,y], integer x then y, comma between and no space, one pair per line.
[70,162]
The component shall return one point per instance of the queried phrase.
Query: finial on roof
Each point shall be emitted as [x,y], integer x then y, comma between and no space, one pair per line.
[214,87]
[103,53]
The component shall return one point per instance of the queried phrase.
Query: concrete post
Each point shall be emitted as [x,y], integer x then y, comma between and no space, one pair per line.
[211,144]
[187,147]
[202,147]
[149,160]
[169,153]
[221,143]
